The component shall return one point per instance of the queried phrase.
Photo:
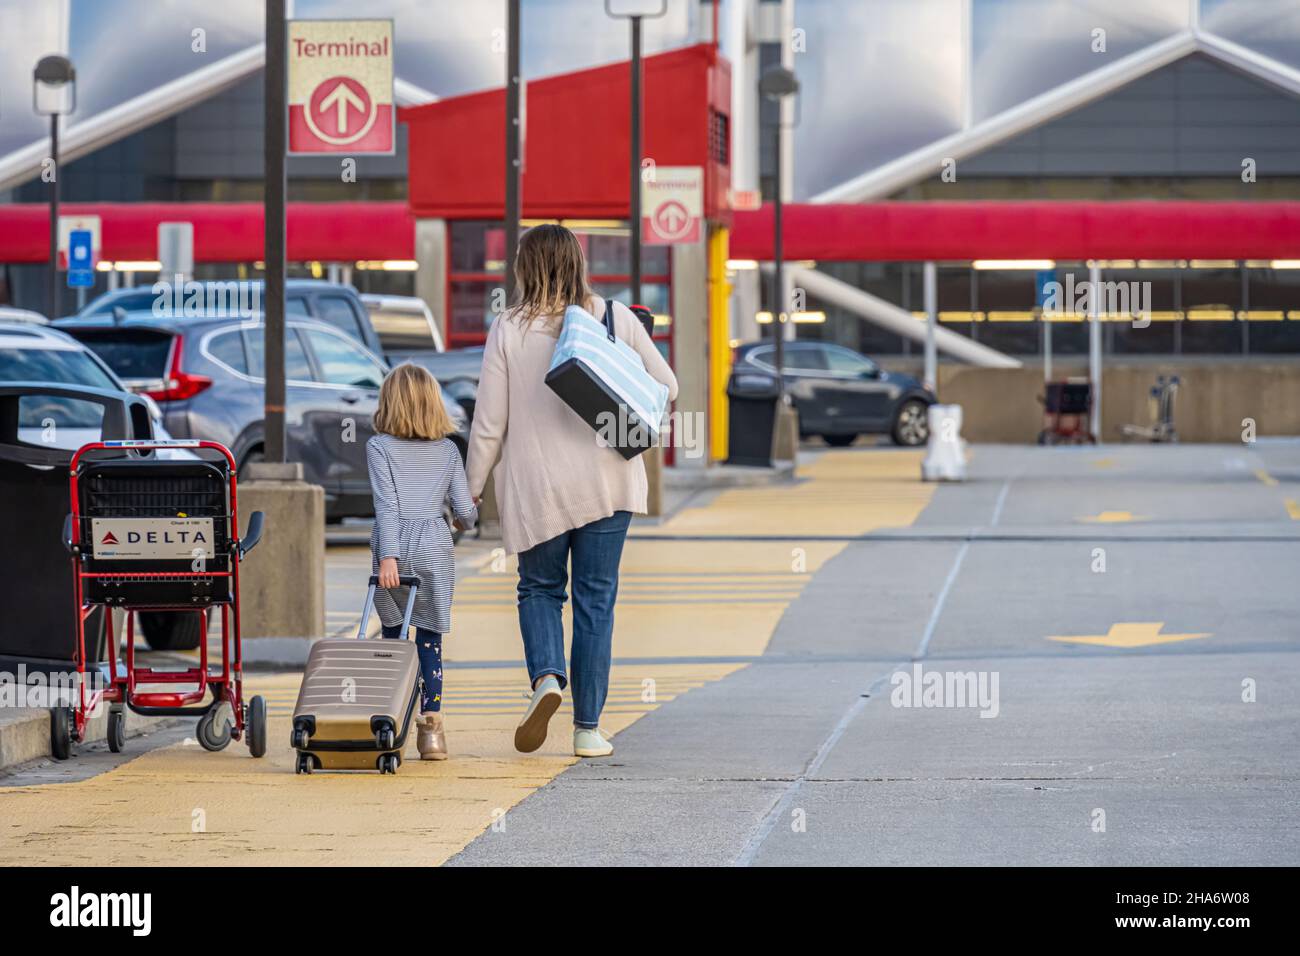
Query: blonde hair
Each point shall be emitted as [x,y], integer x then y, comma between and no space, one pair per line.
[410,405]
[550,273]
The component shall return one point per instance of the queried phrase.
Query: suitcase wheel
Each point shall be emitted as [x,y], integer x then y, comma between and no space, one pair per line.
[388,763]
[306,763]
[300,739]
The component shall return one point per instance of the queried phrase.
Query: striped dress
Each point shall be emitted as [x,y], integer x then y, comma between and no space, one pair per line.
[411,480]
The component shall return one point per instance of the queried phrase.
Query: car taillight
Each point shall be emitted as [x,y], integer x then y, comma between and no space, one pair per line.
[178,385]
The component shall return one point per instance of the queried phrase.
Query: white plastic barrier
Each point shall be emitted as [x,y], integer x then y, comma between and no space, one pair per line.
[945,454]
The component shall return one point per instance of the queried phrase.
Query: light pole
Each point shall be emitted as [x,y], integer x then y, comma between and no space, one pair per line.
[635,11]
[776,84]
[513,209]
[275,132]
[54,94]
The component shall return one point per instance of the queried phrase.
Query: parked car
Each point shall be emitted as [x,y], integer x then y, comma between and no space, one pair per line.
[10,314]
[404,324]
[328,302]
[207,376]
[37,353]
[841,394]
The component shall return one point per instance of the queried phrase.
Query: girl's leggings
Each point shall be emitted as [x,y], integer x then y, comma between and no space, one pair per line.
[429,645]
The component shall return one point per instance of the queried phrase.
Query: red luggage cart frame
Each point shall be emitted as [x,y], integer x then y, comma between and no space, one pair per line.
[122,688]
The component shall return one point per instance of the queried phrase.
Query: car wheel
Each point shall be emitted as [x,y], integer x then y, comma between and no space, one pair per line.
[911,424]
[172,630]
[839,441]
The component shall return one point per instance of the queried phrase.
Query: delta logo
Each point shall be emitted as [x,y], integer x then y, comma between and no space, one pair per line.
[109,538]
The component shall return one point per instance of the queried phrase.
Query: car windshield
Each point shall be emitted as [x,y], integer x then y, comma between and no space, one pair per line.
[65,366]
[131,353]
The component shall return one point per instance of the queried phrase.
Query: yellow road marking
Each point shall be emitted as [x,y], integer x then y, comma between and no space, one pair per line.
[1293,509]
[1103,463]
[1129,635]
[1112,517]
[1265,477]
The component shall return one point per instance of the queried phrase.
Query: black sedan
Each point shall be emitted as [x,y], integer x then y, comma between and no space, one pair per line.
[841,394]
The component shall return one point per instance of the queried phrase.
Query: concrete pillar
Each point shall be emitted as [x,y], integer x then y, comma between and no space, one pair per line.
[431,238]
[691,352]
[282,581]
[931,290]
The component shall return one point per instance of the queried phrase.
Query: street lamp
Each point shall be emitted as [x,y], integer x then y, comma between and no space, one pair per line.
[777,83]
[635,11]
[54,94]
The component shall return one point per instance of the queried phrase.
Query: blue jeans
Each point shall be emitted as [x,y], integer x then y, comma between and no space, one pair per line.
[429,646]
[595,550]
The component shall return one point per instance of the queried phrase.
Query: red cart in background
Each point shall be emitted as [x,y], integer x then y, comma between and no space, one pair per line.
[153,534]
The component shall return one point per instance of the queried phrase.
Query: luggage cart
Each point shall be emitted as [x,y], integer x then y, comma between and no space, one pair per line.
[153,535]
[1067,407]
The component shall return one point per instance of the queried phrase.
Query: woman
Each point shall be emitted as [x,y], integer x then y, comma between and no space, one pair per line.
[562,496]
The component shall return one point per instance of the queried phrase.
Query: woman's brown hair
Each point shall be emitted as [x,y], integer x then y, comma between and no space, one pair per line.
[550,273]
[410,405]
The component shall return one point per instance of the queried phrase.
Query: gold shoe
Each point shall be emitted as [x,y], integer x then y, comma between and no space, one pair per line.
[430,739]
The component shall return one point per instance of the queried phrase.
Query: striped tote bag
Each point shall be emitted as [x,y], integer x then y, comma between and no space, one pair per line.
[603,379]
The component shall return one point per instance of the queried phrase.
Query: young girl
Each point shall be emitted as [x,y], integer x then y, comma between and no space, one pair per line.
[414,469]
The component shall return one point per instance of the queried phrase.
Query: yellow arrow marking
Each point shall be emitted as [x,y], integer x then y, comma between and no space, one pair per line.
[1129,635]
[1293,509]
[1112,517]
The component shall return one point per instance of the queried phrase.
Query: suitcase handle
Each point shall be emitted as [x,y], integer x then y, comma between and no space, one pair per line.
[411,581]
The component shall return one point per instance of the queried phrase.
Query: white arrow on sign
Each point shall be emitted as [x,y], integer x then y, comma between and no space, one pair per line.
[342,97]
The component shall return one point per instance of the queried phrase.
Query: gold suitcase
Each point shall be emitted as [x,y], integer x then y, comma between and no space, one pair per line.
[357,697]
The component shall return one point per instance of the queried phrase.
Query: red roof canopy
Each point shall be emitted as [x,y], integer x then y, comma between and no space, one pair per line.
[920,231]
[896,231]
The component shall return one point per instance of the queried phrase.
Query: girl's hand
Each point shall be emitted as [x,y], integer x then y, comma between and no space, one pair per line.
[388,573]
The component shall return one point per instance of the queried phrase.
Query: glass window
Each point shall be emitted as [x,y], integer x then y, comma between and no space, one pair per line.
[296,305]
[67,366]
[49,413]
[228,349]
[471,308]
[342,363]
[337,310]
[131,353]
[401,327]
[296,366]
[805,358]
[845,362]
[1154,291]
[140,301]
[1211,299]
[1273,313]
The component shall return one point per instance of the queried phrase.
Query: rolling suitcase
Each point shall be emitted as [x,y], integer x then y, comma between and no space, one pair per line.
[357,697]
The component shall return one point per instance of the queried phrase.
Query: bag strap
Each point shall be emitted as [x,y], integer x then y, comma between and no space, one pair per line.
[609,318]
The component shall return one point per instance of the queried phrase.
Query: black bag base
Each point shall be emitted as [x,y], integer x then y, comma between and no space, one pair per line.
[591,398]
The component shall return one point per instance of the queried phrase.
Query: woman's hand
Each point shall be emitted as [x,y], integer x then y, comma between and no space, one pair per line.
[388,573]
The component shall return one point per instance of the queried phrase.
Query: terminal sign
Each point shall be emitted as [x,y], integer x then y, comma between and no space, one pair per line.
[341,87]
[672,202]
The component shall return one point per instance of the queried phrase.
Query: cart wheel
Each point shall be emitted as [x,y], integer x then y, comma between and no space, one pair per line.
[305,764]
[299,740]
[116,729]
[257,726]
[210,737]
[61,733]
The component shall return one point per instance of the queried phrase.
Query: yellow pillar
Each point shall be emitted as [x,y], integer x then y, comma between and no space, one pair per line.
[719,342]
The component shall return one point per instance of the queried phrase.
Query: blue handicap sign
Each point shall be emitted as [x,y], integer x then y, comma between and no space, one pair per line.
[81,259]
[1041,280]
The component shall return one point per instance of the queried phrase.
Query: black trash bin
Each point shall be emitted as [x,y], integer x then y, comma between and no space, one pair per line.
[752,398]
[38,629]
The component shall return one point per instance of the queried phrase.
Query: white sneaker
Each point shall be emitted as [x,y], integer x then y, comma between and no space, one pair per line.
[590,742]
[531,732]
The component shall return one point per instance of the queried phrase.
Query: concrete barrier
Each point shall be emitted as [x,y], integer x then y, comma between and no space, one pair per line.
[1215,396]
[282,582]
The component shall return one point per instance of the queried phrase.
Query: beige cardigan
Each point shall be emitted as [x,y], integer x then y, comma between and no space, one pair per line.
[552,476]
